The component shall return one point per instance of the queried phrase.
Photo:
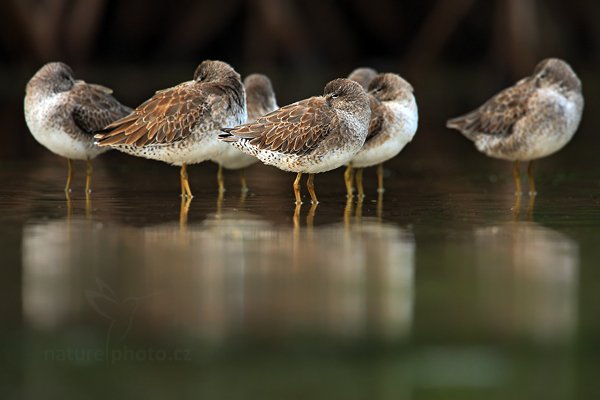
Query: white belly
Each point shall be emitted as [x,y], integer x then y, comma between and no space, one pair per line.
[48,128]
[193,150]
[396,135]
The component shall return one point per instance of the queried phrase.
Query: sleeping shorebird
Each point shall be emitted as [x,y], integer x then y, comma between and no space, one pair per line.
[180,125]
[532,119]
[363,76]
[394,120]
[310,136]
[260,100]
[63,114]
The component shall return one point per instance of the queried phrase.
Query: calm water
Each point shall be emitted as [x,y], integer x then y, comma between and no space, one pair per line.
[443,288]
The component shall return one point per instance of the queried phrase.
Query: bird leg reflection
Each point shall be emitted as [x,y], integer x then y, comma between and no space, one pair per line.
[69,179]
[359,183]
[185,184]
[297,189]
[88,177]
[379,210]
[88,206]
[348,178]
[296,217]
[310,183]
[183,211]
[347,212]
[359,207]
[310,218]
[243,183]
[531,179]
[380,188]
[516,209]
[530,207]
[517,177]
[220,179]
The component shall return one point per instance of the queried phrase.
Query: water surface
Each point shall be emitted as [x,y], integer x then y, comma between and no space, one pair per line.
[444,287]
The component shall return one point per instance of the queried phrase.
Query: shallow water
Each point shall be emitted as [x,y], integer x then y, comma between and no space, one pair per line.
[443,287]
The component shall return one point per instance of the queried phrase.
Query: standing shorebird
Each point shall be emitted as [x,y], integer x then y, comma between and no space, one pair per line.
[310,136]
[180,125]
[532,119]
[260,100]
[63,114]
[394,121]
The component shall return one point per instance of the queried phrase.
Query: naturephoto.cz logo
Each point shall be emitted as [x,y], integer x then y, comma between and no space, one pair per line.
[120,314]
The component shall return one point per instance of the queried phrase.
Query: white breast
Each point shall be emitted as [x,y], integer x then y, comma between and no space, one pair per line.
[397,133]
[47,121]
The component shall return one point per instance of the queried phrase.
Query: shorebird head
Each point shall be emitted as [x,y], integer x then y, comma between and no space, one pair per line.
[259,93]
[54,77]
[346,95]
[389,87]
[363,76]
[556,72]
[211,71]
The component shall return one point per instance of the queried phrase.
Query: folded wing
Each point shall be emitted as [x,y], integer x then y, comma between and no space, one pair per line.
[293,129]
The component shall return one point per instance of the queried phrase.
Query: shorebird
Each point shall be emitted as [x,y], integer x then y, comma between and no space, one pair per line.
[394,120]
[532,119]
[179,125]
[310,136]
[363,76]
[63,114]
[260,100]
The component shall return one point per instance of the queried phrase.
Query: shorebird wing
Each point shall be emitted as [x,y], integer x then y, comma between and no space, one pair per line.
[376,123]
[499,114]
[95,107]
[167,117]
[293,129]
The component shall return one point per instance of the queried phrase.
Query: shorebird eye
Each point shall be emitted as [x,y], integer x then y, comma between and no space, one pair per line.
[334,96]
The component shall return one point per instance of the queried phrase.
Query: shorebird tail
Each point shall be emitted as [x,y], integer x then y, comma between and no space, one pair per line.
[227,136]
[465,124]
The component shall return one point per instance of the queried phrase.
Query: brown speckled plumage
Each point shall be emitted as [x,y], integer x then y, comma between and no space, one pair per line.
[310,136]
[363,76]
[180,125]
[63,113]
[260,96]
[394,120]
[173,114]
[303,127]
[532,119]
[293,129]
[260,100]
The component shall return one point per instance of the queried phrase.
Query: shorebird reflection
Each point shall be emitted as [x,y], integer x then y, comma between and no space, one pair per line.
[235,275]
[539,266]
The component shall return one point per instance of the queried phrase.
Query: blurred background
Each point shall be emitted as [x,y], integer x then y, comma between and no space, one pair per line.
[456,53]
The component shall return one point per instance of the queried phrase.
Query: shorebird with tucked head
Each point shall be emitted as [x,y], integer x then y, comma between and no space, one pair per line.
[260,100]
[63,114]
[394,121]
[180,125]
[532,119]
[363,76]
[310,136]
